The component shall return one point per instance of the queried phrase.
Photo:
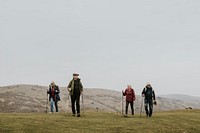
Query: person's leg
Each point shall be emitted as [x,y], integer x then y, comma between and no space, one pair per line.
[73,104]
[150,108]
[78,105]
[51,104]
[127,103]
[146,107]
[56,105]
[132,109]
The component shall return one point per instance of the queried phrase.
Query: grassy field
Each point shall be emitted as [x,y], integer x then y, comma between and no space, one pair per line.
[185,121]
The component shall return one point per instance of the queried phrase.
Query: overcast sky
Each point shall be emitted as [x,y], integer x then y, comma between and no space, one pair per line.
[111,43]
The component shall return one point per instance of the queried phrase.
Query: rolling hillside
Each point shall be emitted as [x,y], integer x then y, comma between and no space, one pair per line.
[33,98]
[195,101]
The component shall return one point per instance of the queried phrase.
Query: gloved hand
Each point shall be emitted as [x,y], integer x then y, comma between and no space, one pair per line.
[69,89]
[154,102]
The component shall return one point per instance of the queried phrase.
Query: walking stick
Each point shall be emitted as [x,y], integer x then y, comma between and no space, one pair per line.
[47,102]
[68,100]
[141,106]
[122,103]
[83,104]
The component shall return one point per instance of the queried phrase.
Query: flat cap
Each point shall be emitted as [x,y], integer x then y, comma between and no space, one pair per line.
[75,74]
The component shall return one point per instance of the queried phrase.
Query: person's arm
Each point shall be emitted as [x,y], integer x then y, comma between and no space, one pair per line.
[143,92]
[153,95]
[134,98]
[81,87]
[124,93]
[48,91]
[57,90]
[69,85]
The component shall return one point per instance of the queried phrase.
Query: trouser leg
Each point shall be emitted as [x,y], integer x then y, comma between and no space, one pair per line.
[132,109]
[73,103]
[51,104]
[150,108]
[127,103]
[56,106]
[146,107]
[78,104]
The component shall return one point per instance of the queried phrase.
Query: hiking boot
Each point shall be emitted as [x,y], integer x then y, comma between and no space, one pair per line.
[125,115]
[78,115]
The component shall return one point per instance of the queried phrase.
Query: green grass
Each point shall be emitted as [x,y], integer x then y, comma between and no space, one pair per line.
[183,121]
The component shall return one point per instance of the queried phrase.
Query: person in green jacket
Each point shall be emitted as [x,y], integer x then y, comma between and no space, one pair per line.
[75,89]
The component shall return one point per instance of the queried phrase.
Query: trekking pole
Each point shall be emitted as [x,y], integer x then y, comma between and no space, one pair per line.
[122,103]
[83,104]
[141,106]
[47,102]
[68,105]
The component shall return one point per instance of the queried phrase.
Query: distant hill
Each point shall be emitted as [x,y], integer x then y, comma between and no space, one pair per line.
[33,98]
[194,101]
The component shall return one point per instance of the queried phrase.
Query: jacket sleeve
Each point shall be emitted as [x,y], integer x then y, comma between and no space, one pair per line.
[81,86]
[58,89]
[69,87]
[48,91]
[70,84]
[143,92]
[124,93]
[153,95]
[134,98]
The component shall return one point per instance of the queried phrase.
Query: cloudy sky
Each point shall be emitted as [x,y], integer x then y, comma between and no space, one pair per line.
[111,43]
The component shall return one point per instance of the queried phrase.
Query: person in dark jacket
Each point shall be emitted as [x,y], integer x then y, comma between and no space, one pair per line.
[75,89]
[149,98]
[130,98]
[54,96]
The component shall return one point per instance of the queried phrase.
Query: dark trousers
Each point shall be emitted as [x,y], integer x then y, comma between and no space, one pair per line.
[148,104]
[75,99]
[131,103]
[56,106]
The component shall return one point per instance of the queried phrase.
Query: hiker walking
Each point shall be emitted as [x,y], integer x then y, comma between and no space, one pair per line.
[149,99]
[130,98]
[54,96]
[75,89]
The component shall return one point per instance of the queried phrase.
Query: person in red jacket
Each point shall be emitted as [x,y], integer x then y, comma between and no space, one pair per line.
[130,98]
